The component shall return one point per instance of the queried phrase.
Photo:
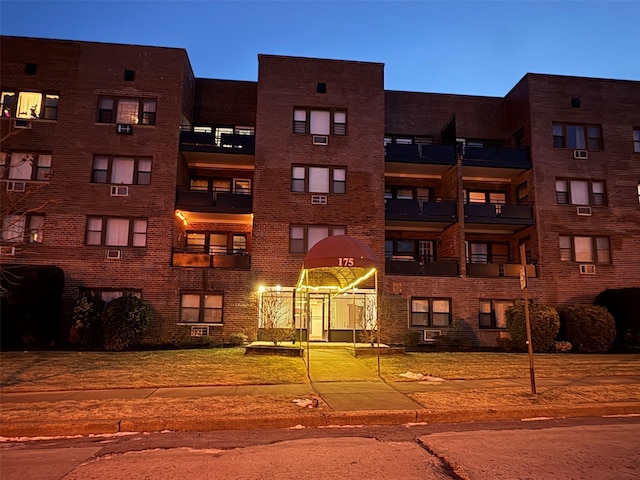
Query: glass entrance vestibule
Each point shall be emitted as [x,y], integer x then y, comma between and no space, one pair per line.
[323,316]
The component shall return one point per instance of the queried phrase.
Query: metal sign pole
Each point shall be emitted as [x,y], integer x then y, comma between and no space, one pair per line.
[523,286]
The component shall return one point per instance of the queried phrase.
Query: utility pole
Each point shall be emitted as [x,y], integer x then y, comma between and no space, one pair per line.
[523,286]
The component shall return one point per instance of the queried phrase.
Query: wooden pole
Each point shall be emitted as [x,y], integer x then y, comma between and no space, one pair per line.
[523,286]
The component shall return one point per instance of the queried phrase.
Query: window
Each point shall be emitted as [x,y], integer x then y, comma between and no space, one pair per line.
[580,192]
[579,137]
[20,228]
[421,250]
[319,122]
[430,312]
[479,196]
[29,105]
[121,170]
[584,249]
[487,252]
[239,186]
[130,111]
[303,237]
[116,232]
[201,308]
[108,294]
[493,313]
[408,140]
[217,243]
[305,178]
[636,140]
[25,166]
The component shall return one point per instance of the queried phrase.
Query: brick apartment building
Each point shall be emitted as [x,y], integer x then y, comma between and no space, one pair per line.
[203,196]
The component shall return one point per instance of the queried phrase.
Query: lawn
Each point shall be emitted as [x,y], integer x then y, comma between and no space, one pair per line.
[40,371]
[471,366]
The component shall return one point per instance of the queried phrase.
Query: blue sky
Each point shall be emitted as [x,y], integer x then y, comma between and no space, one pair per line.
[476,48]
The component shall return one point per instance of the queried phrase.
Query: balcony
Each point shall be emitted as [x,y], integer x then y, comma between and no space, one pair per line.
[213,202]
[443,212]
[499,157]
[206,142]
[506,216]
[408,265]
[419,158]
[511,270]
[188,258]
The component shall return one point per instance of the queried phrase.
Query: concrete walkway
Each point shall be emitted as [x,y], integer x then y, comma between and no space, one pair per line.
[347,385]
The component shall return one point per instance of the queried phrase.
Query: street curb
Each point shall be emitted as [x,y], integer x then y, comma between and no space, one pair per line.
[309,420]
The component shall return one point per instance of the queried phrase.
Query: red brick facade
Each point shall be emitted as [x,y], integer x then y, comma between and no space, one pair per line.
[223,155]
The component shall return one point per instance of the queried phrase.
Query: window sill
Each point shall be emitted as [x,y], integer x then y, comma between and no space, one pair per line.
[200,324]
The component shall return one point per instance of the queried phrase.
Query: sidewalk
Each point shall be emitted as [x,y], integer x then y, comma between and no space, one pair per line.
[354,395]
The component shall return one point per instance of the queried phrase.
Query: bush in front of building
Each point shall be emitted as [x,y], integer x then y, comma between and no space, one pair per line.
[545,324]
[624,305]
[589,328]
[124,320]
[87,321]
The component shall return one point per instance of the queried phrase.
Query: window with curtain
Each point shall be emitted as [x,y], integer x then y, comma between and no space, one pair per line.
[492,313]
[121,170]
[201,307]
[636,140]
[127,110]
[430,312]
[315,179]
[578,137]
[584,249]
[116,231]
[303,237]
[580,192]
[319,122]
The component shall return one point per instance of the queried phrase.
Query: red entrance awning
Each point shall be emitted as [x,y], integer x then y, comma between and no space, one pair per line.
[340,251]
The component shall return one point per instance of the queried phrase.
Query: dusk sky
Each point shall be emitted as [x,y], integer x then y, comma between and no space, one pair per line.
[477,48]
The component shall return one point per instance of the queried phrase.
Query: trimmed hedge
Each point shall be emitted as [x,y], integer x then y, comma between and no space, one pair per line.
[589,328]
[124,320]
[545,324]
[624,305]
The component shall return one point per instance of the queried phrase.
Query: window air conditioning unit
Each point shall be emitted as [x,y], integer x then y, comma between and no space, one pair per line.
[16,186]
[124,128]
[114,254]
[318,199]
[118,191]
[584,211]
[22,123]
[581,154]
[7,250]
[320,140]
[587,269]
[432,335]
[200,331]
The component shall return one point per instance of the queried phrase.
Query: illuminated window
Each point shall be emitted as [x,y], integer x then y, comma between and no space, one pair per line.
[116,231]
[493,313]
[303,237]
[121,170]
[19,228]
[130,111]
[430,312]
[201,308]
[25,166]
[584,249]
[108,294]
[314,179]
[29,105]
[217,243]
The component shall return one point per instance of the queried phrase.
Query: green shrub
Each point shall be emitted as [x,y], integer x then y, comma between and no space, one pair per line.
[624,305]
[86,319]
[589,328]
[412,338]
[545,324]
[238,339]
[124,320]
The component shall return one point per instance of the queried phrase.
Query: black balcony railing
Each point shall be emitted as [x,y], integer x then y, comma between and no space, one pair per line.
[500,157]
[418,210]
[213,202]
[499,213]
[420,153]
[416,265]
[226,143]
[499,270]
[184,257]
